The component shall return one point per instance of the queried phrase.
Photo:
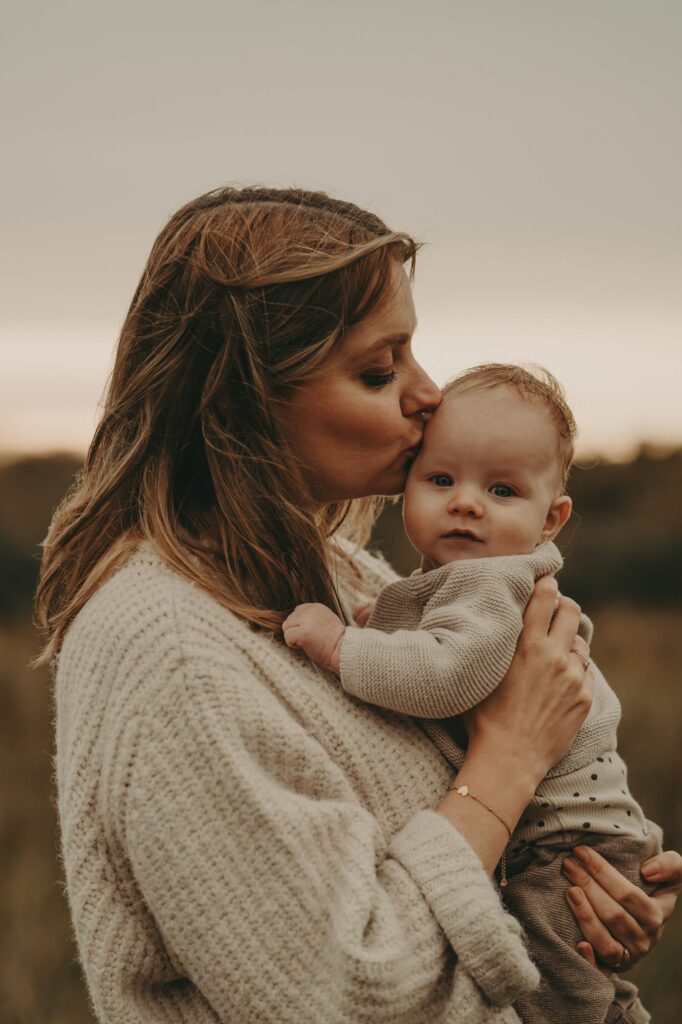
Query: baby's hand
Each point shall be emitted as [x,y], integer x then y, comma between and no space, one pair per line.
[316,629]
[363,612]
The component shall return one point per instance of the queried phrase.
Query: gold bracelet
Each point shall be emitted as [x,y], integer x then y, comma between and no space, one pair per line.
[465,791]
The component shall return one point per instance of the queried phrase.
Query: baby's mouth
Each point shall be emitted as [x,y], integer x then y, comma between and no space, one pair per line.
[464,535]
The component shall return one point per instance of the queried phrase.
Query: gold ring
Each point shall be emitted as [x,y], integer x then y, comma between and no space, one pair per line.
[623,961]
[583,657]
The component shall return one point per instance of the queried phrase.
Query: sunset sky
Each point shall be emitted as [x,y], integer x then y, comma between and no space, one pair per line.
[535,147]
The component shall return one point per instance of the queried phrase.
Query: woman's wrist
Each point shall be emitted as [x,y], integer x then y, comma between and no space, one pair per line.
[502,786]
[516,769]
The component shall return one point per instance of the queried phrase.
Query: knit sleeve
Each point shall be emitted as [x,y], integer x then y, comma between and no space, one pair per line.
[275,891]
[461,648]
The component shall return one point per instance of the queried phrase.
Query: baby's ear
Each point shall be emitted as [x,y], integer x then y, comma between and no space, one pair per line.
[557,517]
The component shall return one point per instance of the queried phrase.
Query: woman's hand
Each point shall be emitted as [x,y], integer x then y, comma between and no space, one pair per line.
[543,700]
[524,727]
[614,915]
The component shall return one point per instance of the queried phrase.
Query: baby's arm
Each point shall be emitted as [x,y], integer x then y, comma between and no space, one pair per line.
[319,631]
[451,659]
[440,643]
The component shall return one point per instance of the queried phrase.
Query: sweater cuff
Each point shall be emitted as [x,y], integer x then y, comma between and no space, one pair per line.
[488,941]
[351,656]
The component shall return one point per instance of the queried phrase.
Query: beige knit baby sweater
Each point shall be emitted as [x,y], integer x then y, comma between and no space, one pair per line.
[244,842]
[440,642]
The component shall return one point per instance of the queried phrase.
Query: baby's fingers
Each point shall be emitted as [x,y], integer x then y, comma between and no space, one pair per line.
[293,631]
[363,612]
[292,638]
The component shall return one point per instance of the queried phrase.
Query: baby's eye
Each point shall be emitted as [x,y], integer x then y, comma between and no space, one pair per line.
[502,491]
[441,480]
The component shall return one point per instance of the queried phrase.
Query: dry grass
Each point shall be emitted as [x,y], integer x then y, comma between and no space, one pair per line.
[639,651]
[41,976]
[641,654]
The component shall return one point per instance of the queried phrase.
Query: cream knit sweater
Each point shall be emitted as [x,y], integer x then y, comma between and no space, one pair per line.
[245,842]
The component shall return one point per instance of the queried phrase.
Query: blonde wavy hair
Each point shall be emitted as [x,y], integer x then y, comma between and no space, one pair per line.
[245,294]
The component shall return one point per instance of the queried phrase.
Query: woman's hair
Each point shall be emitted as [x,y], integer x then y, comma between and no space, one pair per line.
[245,294]
[530,381]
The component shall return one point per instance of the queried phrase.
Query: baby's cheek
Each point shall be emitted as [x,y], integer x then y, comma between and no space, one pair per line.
[411,518]
[420,526]
[516,537]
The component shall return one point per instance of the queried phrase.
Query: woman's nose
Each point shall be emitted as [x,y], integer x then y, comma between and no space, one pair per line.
[422,396]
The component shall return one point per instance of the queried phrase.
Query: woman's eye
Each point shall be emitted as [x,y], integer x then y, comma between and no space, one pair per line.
[379,380]
[441,480]
[502,491]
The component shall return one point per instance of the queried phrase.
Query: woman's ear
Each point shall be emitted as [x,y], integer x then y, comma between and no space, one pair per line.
[557,517]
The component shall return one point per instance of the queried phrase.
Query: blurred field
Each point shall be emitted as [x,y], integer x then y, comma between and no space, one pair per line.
[638,643]
[41,978]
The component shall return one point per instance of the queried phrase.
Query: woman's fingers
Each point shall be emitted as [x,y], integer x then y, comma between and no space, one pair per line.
[665,900]
[607,878]
[580,649]
[613,921]
[587,953]
[580,646]
[664,869]
[540,608]
[611,911]
[608,949]
[549,614]
[565,624]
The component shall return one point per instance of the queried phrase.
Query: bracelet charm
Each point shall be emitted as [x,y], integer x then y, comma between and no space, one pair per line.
[465,791]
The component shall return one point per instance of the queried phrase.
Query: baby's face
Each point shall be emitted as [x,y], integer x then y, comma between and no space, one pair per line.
[486,480]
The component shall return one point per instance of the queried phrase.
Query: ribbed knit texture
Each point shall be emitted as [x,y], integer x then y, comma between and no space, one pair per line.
[440,642]
[244,842]
[436,645]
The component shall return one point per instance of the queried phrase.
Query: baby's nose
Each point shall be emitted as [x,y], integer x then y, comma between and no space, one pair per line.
[465,502]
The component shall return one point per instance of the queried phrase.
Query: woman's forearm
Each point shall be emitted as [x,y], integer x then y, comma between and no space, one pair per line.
[504,783]
[525,726]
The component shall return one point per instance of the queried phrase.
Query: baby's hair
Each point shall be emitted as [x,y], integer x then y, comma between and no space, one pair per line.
[531,381]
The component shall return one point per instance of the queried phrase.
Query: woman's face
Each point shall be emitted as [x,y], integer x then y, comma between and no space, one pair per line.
[356,427]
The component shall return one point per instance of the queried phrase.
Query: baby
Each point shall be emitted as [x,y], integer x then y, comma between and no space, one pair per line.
[483,502]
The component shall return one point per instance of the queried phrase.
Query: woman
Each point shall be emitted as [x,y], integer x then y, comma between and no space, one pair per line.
[242,841]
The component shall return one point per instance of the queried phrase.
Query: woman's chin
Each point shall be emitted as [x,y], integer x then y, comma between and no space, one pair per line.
[386,484]
[391,483]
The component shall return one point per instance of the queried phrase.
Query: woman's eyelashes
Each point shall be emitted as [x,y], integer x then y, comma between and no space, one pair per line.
[379,380]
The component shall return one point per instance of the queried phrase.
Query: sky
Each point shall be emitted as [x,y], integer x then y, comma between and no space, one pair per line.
[534,147]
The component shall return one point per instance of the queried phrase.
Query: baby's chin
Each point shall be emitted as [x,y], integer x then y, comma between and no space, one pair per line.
[462,552]
[436,560]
